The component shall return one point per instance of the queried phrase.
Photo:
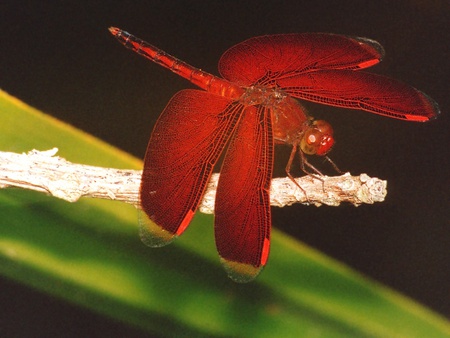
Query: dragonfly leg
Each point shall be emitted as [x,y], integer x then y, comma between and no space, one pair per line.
[288,171]
[335,167]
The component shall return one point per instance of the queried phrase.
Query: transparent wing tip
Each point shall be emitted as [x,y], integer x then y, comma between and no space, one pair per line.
[241,272]
[151,233]
[374,44]
[434,110]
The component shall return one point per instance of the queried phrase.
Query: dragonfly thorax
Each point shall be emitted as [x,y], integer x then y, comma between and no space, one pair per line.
[266,96]
[290,121]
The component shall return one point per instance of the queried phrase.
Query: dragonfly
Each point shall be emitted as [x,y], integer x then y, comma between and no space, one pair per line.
[254,106]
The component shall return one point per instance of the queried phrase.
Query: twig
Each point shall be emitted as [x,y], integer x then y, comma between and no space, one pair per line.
[45,172]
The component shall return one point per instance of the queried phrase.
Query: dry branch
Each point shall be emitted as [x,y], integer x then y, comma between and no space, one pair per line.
[45,172]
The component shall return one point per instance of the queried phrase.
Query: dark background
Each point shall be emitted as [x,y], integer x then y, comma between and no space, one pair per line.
[59,57]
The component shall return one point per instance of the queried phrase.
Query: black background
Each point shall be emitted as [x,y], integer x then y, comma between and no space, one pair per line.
[59,57]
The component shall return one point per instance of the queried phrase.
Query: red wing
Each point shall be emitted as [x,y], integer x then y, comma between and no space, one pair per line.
[187,140]
[242,208]
[261,59]
[360,90]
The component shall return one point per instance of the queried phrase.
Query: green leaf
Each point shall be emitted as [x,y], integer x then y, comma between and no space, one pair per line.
[89,253]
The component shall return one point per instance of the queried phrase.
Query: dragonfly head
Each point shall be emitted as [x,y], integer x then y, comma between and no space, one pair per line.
[317,139]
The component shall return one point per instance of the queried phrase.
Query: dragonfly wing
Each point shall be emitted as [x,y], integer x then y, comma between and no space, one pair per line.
[361,90]
[260,59]
[185,144]
[242,207]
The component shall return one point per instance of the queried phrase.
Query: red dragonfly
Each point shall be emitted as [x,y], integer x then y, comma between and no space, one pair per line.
[251,108]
